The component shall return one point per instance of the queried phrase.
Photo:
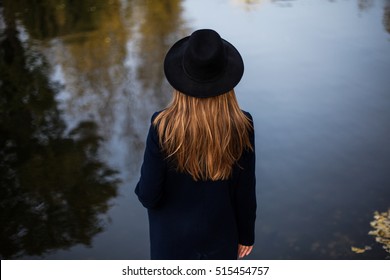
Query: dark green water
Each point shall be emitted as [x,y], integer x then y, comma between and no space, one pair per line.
[79,81]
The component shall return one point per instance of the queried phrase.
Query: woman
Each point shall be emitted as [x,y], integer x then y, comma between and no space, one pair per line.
[198,175]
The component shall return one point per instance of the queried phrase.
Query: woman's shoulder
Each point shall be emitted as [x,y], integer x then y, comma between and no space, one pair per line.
[155,114]
[247,114]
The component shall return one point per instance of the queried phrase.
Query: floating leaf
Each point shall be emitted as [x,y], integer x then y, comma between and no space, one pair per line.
[360,250]
[373,232]
[381,224]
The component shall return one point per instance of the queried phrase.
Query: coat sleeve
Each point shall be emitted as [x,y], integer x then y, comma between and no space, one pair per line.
[150,186]
[245,195]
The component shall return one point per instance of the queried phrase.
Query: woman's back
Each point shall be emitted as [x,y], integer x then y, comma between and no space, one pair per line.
[204,136]
[197,219]
[198,174]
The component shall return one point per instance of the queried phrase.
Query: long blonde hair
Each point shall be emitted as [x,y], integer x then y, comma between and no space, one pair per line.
[204,136]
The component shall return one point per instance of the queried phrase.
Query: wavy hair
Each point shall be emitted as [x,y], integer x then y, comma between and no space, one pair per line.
[205,137]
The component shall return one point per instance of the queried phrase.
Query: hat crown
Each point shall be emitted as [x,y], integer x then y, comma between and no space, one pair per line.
[203,65]
[205,55]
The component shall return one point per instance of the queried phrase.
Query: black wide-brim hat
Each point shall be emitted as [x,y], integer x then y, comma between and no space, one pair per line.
[203,65]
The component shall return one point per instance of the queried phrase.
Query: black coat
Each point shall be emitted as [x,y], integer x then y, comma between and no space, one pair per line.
[196,219]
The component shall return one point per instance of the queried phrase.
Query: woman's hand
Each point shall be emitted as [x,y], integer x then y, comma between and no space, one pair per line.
[244,250]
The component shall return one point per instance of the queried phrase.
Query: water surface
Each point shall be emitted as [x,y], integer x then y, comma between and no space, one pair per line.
[80,81]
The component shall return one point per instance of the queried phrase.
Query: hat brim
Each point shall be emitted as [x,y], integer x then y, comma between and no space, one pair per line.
[222,83]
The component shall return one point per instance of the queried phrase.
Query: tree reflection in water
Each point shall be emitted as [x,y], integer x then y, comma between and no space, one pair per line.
[386,16]
[108,54]
[53,187]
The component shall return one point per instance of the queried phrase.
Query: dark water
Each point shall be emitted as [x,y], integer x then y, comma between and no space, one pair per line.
[79,81]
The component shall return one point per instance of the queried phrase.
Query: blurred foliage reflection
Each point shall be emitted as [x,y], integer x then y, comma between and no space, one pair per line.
[52,18]
[54,183]
[53,186]
[386,16]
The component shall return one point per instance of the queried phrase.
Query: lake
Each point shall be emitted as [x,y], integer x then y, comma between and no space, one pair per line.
[80,80]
